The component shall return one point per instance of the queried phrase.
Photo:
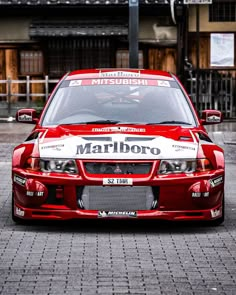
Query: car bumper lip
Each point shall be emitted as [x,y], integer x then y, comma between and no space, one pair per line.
[63,214]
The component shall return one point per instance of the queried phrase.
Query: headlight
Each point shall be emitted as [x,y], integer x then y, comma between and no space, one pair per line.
[52,165]
[184,166]
[58,165]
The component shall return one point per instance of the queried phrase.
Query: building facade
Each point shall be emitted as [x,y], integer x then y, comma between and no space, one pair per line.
[40,38]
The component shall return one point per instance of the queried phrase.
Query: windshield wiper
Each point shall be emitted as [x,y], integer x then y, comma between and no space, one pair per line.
[101,122]
[91,122]
[170,122]
[131,123]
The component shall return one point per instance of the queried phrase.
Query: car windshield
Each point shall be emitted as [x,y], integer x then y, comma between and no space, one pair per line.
[74,103]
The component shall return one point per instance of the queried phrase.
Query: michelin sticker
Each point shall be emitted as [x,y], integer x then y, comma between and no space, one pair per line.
[117,147]
[104,214]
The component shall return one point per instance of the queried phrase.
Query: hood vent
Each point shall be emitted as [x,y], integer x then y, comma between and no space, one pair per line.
[185,138]
[139,138]
[108,138]
[105,138]
[204,137]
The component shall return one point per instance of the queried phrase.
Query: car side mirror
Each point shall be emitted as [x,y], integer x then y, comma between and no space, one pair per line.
[27,116]
[211,117]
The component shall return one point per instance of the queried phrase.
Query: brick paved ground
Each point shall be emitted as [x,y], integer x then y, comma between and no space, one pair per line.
[111,257]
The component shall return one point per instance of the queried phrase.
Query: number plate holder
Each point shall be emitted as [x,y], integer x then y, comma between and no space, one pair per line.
[117,181]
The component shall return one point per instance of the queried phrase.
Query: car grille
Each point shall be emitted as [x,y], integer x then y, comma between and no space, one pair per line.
[117,198]
[117,168]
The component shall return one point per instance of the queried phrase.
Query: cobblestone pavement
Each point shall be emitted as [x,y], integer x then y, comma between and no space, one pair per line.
[115,257]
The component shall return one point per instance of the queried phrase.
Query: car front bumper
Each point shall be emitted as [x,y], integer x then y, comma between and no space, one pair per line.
[199,197]
[67,214]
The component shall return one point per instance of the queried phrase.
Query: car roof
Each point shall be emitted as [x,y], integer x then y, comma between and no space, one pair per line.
[119,73]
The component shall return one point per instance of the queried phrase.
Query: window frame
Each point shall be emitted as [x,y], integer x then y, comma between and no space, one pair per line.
[31,62]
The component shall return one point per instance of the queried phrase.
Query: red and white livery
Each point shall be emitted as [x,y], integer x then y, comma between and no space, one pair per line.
[118,143]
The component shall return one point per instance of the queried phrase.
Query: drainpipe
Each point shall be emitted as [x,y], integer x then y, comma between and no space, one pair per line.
[197,57]
[133,33]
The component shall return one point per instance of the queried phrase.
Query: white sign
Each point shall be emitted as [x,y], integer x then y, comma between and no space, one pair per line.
[197,1]
[117,181]
[222,50]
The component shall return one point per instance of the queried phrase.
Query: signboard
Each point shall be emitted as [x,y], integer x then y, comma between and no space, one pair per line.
[197,1]
[222,50]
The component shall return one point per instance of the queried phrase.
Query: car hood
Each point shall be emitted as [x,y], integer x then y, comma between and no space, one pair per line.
[118,142]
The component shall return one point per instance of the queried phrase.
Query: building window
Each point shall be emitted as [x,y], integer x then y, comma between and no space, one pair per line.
[222,11]
[31,62]
[122,59]
[66,54]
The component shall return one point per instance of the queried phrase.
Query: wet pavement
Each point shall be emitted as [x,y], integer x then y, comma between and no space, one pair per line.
[116,258]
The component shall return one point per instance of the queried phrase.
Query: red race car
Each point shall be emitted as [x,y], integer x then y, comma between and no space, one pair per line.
[118,143]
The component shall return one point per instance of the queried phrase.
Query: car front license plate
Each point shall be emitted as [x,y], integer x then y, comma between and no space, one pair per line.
[117,181]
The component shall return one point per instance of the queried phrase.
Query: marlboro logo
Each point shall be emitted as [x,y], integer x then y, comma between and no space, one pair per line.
[116,148]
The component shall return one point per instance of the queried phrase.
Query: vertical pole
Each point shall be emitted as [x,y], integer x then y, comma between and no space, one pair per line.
[28,90]
[133,33]
[46,88]
[9,95]
[197,57]
[179,48]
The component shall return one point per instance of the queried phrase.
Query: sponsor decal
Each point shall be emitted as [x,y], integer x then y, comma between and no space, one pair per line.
[183,147]
[206,194]
[19,180]
[121,129]
[75,83]
[104,214]
[198,194]
[117,147]
[119,82]
[163,83]
[216,181]
[34,194]
[215,213]
[19,212]
[25,118]
[119,74]
[117,181]
[114,148]
[56,147]
[213,118]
